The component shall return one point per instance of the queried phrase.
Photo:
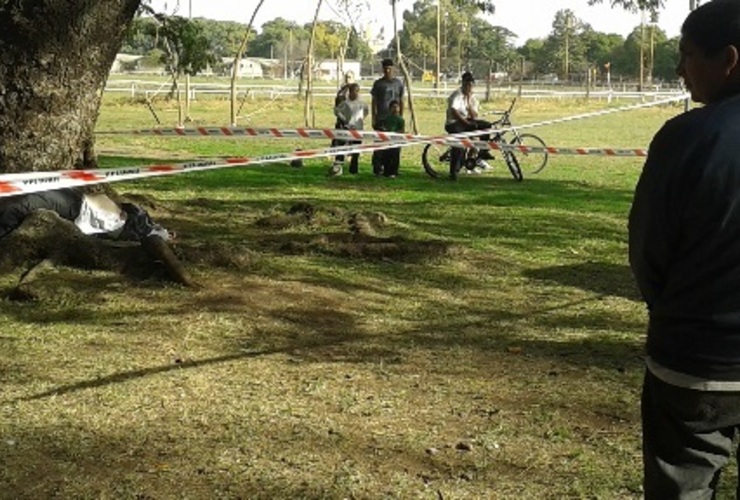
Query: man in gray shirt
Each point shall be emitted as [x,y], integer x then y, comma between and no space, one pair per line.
[384,91]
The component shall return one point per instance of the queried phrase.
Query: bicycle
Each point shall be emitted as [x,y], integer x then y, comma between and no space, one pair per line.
[436,157]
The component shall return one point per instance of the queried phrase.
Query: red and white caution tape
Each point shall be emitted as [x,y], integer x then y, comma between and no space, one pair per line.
[306,133]
[32,182]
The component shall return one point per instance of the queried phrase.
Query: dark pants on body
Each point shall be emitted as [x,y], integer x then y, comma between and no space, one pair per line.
[687,439]
[13,210]
[379,158]
[457,155]
[392,161]
[354,158]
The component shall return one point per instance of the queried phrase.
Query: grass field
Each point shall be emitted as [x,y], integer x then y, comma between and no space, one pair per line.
[483,340]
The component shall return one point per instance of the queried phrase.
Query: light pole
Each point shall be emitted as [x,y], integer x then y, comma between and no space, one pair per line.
[439,50]
[567,46]
[187,75]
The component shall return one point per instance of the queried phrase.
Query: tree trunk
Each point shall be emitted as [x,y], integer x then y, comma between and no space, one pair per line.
[404,70]
[308,103]
[55,56]
[237,60]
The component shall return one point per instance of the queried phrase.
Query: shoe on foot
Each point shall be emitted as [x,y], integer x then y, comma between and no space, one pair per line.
[335,170]
[485,154]
[483,164]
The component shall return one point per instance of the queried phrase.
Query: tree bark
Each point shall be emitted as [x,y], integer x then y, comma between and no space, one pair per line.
[55,56]
[237,62]
[308,98]
[404,70]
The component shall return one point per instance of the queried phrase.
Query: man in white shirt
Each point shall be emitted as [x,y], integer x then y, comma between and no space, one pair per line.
[462,116]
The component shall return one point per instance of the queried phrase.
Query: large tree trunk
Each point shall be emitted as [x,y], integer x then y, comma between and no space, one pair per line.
[55,56]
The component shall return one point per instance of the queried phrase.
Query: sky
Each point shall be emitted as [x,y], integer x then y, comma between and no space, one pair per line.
[526,18]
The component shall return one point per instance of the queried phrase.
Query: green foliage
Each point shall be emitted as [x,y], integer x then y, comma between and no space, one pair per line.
[634,5]
[188,50]
[587,48]
[279,36]
[665,59]
[223,37]
[467,41]
[482,5]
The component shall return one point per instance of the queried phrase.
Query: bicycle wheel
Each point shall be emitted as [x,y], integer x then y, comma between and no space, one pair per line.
[513,164]
[436,160]
[530,162]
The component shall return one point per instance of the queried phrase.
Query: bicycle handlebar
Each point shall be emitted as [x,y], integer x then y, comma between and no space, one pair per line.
[503,113]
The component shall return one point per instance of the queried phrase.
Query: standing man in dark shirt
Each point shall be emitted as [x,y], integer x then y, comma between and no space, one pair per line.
[684,250]
[385,90]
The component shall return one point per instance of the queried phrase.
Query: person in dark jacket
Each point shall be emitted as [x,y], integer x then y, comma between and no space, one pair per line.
[384,91]
[684,250]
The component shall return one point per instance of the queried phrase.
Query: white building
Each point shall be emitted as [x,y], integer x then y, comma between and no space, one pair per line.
[329,70]
[125,62]
[248,67]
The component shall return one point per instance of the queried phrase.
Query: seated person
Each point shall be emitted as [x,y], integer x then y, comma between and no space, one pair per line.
[462,116]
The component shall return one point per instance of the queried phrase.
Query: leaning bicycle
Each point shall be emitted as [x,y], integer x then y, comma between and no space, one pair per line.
[527,155]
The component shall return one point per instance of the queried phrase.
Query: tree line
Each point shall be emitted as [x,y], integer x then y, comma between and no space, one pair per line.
[278,39]
[571,50]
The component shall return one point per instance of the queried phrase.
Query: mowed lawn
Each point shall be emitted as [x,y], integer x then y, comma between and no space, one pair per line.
[472,340]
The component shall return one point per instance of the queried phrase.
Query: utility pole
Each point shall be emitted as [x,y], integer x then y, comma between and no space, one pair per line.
[285,60]
[187,74]
[653,24]
[439,45]
[567,47]
[642,50]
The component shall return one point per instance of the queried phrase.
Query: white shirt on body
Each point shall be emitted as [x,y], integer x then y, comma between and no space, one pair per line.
[352,113]
[462,104]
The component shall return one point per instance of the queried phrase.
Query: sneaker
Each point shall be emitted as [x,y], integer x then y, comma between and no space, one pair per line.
[335,170]
[485,154]
[482,164]
[473,171]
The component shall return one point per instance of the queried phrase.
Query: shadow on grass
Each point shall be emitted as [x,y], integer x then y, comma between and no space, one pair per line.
[308,330]
[323,335]
[598,277]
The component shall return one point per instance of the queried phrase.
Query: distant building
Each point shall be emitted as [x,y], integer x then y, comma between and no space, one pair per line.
[255,67]
[248,67]
[124,63]
[329,70]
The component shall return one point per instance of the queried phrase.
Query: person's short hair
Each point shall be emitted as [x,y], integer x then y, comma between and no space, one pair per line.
[468,77]
[387,62]
[713,26]
[353,86]
[394,102]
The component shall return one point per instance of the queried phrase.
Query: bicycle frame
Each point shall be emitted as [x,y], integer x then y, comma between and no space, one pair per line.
[434,157]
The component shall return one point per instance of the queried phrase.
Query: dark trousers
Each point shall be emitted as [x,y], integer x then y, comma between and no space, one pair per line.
[392,161]
[687,439]
[457,155]
[354,158]
[378,160]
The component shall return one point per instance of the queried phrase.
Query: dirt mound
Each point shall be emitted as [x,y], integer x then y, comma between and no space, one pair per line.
[331,231]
